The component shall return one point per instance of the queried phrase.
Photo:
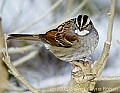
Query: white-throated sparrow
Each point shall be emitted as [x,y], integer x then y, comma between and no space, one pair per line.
[71,40]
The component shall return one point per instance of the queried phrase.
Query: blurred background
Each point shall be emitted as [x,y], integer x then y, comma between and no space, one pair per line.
[40,68]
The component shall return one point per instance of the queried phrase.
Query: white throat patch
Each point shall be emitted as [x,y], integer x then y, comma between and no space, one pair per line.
[81,33]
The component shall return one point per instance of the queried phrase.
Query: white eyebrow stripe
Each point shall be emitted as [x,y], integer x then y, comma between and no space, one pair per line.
[81,20]
[87,22]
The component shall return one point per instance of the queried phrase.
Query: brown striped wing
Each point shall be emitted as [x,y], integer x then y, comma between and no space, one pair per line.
[65,35]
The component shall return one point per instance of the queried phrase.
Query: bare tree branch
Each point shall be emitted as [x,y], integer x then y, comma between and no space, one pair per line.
[99,66]
[39,18]
[14,71]
[30,56]
[3,69]
[81,5]
[14,50]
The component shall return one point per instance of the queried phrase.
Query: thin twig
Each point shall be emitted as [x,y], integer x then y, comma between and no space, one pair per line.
[69,5]
[99,66]
[14,50]
[64,19]
[14,71]
[78,8]
[21,60]
[39,18]
[93,7]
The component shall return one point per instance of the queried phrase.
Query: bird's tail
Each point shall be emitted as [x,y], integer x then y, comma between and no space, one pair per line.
[34,37]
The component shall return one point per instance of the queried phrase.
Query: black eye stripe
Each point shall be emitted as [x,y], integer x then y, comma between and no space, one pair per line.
[85,17]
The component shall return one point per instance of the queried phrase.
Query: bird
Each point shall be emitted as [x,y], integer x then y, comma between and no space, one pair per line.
[72,40]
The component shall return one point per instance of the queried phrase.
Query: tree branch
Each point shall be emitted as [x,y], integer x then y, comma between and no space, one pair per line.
[99,66]
[3,69]
[30,56]
[14,50]
[39,18]
[14,71]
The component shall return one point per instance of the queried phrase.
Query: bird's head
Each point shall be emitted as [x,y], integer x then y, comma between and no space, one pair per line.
[84,24]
